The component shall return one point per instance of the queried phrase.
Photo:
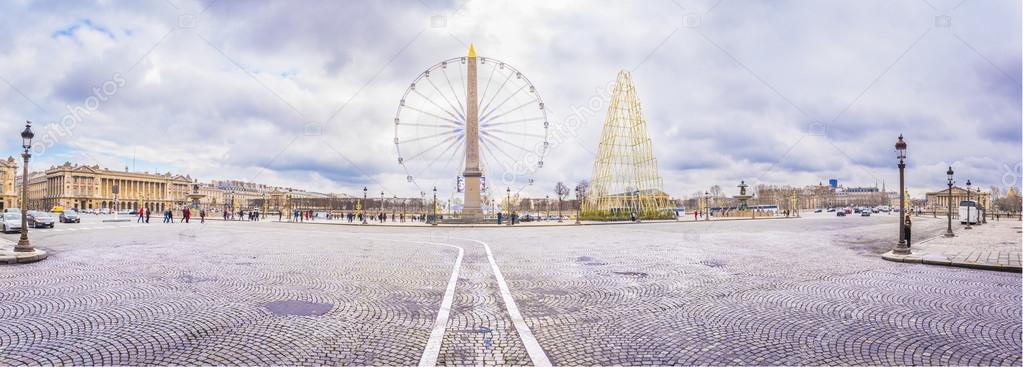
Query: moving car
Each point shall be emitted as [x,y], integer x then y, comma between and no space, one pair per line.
[865,213]
[70,216]
[817,211]
[11,221]
[841,213]
[38,219]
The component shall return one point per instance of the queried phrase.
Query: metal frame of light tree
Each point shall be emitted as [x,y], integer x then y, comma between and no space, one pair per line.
[625,177]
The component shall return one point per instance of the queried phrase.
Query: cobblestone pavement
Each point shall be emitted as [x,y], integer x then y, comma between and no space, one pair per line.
[996,245]
[765,293]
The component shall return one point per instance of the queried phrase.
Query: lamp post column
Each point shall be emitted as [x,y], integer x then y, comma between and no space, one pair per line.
[434,206]
[968,210]
[948,231]
[901,247]
[26,137]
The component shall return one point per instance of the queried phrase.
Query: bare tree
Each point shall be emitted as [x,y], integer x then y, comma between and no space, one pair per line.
[561,190]
[715,191]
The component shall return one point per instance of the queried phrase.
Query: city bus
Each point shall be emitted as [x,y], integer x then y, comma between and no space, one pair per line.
[970,209]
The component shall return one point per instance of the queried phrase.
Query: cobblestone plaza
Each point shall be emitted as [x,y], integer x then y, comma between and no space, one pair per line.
[807,291]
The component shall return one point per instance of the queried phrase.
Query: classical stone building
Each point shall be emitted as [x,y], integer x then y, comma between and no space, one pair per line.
[91,187]
[938,200]
[8,192]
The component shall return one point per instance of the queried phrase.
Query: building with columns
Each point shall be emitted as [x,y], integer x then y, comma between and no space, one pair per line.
[92,187]
[938,200]
[8,190]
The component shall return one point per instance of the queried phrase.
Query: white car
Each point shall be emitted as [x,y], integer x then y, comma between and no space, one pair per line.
[11,222]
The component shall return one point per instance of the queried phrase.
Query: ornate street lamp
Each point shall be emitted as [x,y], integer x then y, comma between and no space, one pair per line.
[968,226]
[434,206]
[706,205]
[579,204]
[509,207]
[900,149]
[381,201]
[362,211]
[26,142]
[982,218]
[948,231]
[547,203]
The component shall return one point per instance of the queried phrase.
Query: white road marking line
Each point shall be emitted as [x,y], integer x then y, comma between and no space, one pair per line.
[432,349]
[533,348]
[433,344]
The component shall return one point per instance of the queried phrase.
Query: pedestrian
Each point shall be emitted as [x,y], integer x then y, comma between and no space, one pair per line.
[170,215]
[142,215]
[633,216]
[202,215]
[147,216]
[908,228]
[188,214]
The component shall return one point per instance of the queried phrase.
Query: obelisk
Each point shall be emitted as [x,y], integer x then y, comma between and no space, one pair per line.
[472,212]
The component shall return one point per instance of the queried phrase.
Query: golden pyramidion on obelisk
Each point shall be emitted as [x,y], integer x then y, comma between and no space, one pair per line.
[472,211]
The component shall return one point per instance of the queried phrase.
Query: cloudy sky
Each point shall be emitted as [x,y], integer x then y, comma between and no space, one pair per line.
[303,93]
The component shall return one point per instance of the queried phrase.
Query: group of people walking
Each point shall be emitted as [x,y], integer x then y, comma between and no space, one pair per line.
[168,215]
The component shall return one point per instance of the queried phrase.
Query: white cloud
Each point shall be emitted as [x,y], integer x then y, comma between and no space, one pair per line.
[740,96]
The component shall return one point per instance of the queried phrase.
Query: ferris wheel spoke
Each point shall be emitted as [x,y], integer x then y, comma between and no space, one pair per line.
[509,122]
[488,112]
[453,93]
[456,153]
[450,147]
[438,106]
[456,123]
[429,125]
[493,70]
[495,146]
[490,152]
[500,131]
[429,136]
[445,98]
[498,91]
[516,108]
[505,141]
[447,141]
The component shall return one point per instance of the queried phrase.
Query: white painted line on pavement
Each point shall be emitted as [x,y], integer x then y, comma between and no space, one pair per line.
[533,348]
[433,344]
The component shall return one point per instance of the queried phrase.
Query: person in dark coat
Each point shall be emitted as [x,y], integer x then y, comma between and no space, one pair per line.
[908,226]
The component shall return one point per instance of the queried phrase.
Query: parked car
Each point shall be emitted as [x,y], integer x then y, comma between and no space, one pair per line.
[36,219]
[831,210]
[841,213]
[70,216]
[817,211]
[865,213]
[11,222]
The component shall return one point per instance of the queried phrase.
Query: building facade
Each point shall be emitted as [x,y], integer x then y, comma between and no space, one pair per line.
[938,201]
[8,190]
[92,187]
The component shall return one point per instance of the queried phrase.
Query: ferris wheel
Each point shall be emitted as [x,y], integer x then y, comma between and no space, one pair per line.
[430,125]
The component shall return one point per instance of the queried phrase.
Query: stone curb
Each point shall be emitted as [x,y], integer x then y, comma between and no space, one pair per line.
[23,257]
[938,260]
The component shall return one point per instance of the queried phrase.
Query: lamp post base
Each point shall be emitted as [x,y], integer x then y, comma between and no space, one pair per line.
[901,249]
[23,246]
[950,234]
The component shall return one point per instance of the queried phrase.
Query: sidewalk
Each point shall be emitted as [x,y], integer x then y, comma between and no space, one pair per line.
[8,256]
[993,246]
